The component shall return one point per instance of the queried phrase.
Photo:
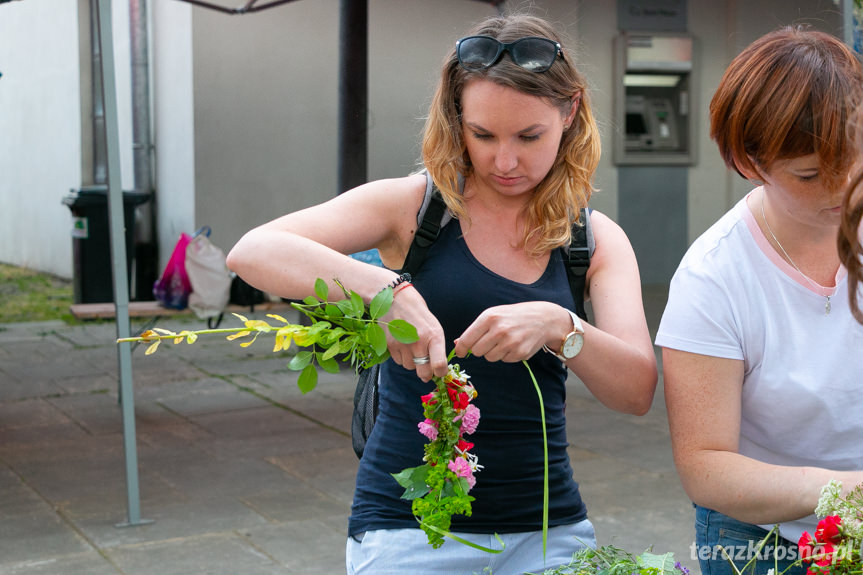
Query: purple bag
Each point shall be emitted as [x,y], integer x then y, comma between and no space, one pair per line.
[173,288]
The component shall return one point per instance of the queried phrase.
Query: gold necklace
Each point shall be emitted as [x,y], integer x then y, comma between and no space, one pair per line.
[814,284]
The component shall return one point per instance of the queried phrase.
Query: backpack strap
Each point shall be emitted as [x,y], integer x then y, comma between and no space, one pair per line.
[578,260]
[431,218]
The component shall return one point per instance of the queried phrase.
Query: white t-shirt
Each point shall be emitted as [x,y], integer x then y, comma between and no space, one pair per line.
[734,297]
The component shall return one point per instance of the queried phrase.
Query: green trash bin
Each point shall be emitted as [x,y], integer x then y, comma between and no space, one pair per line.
[92,279]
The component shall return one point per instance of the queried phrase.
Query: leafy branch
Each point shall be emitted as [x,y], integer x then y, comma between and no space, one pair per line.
[345,329]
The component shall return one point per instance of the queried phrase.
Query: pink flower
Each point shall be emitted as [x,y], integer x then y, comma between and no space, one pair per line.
[462,468]
[428,428]
[470,419]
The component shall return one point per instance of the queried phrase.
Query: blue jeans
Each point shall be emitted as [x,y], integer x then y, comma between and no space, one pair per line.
[715,531]
[401,551]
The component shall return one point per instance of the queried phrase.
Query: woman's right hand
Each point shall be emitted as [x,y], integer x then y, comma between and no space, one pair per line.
[410,306]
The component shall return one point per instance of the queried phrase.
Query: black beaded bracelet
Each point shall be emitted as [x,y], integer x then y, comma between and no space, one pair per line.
[405,277]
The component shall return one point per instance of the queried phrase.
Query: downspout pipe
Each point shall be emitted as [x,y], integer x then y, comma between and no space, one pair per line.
[146,256]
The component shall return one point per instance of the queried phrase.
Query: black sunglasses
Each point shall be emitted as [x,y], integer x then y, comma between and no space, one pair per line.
[531,53]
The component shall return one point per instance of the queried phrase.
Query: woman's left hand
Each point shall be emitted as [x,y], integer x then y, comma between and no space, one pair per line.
[513,333]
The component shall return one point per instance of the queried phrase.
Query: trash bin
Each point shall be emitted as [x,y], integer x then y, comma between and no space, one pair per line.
[91,241]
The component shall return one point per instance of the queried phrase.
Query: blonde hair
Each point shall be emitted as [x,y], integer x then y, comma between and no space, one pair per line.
[568,185]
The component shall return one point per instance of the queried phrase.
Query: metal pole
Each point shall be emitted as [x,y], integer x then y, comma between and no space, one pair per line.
[118,257]
[353,93]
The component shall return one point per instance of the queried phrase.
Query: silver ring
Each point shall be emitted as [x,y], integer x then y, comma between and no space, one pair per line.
[421,360]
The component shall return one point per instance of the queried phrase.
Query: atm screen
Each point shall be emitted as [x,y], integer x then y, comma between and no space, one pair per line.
[635,124]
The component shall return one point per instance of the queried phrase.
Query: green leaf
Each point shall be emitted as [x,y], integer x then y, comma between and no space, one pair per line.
[308,379]
[413,479]
[311,300]
[348,343]
[301,360]
[329,353]
[346,307]
[321,289]
[381,303]
[664,563]
[333,311]
[359,306]
[329,365]
[402,331]
[377,338]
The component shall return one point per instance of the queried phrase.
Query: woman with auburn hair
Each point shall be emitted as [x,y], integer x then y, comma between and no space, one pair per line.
[511,142]
[850,244]
[761,353]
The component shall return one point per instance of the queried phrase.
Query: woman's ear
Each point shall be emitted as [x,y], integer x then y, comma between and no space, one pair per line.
[750,172]
[574,103]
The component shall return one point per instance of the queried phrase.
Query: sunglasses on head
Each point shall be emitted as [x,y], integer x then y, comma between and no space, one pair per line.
[531,53]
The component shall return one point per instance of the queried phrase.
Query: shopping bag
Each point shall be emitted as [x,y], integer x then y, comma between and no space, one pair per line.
[173,288]
[208,275]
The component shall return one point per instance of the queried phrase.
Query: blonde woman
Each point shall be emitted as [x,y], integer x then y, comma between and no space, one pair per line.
[511,142]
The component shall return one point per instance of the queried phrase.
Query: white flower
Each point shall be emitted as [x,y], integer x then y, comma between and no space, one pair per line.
[829,502]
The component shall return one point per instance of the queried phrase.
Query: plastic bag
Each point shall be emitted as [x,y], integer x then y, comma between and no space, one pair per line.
[208,275]
[173,288]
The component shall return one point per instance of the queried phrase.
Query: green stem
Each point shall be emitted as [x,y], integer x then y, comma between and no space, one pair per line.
[545,461]
[465,541]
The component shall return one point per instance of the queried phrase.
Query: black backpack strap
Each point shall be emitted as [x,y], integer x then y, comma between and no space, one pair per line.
[427,231]
[578,260]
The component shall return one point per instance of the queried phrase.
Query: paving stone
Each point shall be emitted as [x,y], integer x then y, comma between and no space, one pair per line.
[88,563]
[304,544]
[214,554]
[293,500]
[197,517]
[37,535]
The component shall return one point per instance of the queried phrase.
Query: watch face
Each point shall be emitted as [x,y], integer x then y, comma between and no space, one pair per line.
[572,345]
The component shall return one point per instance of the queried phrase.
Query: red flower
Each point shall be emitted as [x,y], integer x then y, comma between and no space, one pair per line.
[824,554]
[828,530]
[806,546]
[429,399]
[460,399]
[463,445]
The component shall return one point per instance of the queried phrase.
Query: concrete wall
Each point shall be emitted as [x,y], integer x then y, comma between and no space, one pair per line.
[173,122]
[39,132]
[42,113]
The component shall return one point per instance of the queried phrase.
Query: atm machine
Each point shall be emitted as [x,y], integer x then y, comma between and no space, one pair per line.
[654,145]
[653,99]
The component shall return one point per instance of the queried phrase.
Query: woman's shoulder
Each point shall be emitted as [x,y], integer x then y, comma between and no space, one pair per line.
[722,242]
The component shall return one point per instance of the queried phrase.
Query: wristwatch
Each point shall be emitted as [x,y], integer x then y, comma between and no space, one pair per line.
[572,342]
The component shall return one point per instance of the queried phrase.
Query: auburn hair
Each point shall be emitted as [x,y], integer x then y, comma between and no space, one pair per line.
[790,93]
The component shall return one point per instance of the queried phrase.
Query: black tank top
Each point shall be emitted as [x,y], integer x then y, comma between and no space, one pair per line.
[508,442]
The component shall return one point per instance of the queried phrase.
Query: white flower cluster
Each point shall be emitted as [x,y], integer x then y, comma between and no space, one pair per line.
[831,502]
